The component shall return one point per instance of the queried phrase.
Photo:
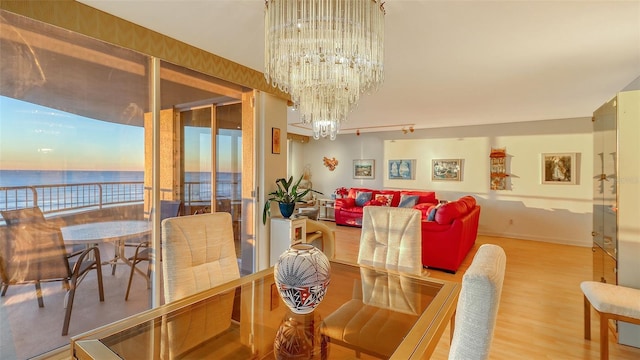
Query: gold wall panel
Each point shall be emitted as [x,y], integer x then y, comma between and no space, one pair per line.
[83,19]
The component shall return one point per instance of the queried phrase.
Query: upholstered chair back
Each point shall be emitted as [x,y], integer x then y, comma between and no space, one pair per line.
[478,304]
[391,239]
[198,253]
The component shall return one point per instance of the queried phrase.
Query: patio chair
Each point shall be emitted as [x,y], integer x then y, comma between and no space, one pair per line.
[391,239]
[168,208]
[33,251]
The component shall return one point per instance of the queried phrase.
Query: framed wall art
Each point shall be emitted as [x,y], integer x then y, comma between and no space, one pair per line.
[446,169]
[558,168]
[402,169]
[275,140]
[364,169]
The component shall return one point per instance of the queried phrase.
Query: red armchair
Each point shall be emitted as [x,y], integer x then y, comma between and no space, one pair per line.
[447,239]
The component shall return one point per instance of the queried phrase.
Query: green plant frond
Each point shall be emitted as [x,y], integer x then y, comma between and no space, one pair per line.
[284,194]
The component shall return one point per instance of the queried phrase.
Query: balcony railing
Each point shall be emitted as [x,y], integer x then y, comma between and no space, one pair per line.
[71,197]
[57,198]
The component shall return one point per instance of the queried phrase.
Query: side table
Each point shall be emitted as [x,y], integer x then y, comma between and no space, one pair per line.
[327,209]
[284,233]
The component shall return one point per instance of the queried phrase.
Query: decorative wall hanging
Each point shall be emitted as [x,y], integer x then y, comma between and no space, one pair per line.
[275,140]
[446,169]
[498,165]
[559,168]
[364,169]
[330,163]
[402,169]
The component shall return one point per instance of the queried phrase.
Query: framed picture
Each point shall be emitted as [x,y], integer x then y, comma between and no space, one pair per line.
[402,169]
[446,169]
[364,169]
[559,168]
[275,140]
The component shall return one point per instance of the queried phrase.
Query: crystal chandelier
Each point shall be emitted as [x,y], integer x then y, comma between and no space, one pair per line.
[324,53]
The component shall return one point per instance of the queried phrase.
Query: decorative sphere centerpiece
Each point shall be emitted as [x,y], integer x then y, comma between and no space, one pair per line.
[302,275]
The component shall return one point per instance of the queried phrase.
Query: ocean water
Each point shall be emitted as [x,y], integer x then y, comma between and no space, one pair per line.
[66,177]
[64,193]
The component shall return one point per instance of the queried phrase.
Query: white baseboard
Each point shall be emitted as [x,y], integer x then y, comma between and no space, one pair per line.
[574,242]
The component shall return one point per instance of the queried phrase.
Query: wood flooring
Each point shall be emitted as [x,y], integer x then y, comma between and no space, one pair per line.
[541,309]
[540,314]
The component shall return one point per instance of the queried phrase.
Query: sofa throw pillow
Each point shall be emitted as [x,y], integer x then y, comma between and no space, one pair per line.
[384,199]
[432,212]
[362,197]
[408,201]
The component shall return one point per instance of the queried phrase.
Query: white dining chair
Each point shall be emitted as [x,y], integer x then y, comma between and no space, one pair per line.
[198,253]
[391,239]
[478,304]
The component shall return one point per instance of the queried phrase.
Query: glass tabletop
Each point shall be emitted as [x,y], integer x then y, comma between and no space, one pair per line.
[366,313]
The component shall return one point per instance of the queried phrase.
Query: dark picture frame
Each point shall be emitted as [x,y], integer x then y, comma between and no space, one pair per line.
[275,140]
[558,168]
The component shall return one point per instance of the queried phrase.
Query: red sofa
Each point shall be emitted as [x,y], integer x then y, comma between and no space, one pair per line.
[447,239]
[348,213]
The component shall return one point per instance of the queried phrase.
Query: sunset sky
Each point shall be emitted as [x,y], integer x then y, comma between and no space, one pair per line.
[33,137]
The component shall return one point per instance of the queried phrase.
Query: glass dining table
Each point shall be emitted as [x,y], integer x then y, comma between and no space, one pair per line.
[366,313]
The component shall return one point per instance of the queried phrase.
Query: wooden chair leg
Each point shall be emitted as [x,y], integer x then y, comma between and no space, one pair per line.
[604,337]
[587,319]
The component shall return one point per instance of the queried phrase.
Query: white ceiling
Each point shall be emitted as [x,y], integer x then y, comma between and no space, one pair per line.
[447,63]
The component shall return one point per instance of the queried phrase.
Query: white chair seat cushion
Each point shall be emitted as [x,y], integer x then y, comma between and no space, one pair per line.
[612,299]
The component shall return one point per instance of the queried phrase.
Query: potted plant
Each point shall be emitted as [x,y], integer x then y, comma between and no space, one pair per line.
[286,195]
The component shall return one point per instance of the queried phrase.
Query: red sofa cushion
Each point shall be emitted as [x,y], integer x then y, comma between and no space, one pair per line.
[345,202]
[424,208]
[451,211]
[395,199]
[470,201]
[424,196]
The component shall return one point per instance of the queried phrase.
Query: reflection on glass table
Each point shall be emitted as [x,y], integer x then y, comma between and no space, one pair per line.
[403,315]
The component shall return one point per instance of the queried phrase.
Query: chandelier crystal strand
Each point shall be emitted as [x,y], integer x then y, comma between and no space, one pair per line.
[324,53]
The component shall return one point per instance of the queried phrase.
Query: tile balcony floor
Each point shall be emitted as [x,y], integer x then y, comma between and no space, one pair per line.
[28,330]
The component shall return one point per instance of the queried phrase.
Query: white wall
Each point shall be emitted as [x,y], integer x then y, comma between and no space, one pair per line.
[528,210]
[270,111]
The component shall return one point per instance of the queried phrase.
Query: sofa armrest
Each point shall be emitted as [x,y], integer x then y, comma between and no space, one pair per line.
[345,203]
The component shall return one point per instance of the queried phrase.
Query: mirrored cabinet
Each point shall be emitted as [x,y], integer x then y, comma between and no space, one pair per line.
[616,197]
